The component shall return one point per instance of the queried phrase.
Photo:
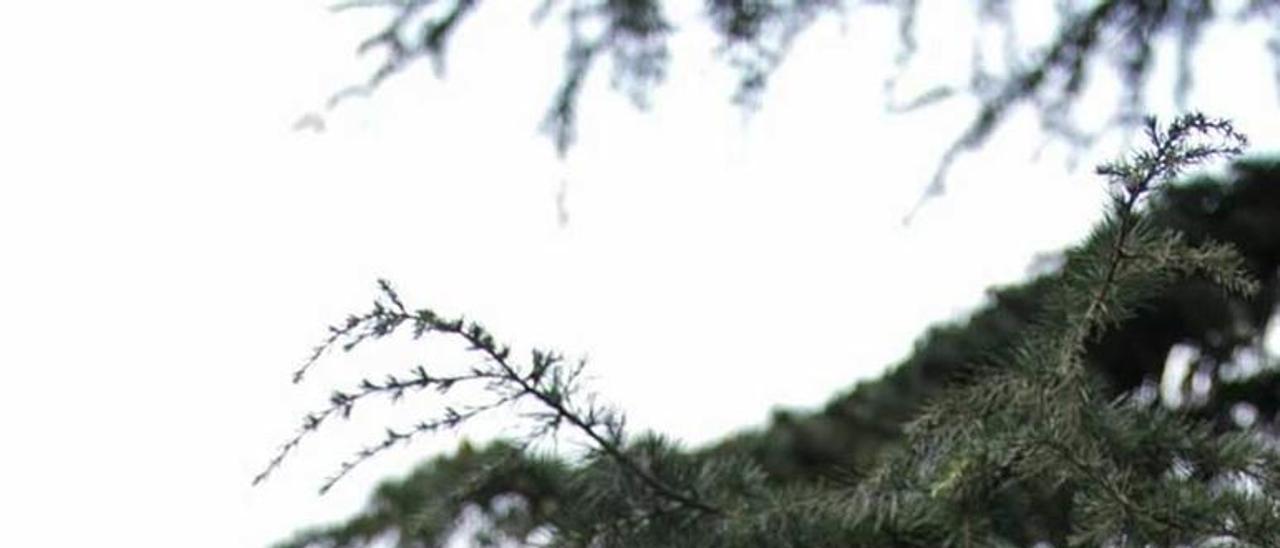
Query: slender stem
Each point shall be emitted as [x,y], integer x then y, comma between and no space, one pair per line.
[609,448]
[1134,192]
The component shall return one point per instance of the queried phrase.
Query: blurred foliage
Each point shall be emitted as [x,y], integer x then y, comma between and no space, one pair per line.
[515,491]
[1121,39]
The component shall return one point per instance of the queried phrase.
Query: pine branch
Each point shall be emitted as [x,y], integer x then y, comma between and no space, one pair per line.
[544,380]
[981,436]
[341,404]
[1173,150]
[452,418]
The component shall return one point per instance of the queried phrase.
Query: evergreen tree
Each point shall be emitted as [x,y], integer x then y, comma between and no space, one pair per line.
[1033,435]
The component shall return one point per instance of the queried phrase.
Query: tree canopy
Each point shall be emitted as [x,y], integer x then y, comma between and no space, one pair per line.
[1120,398]
[1040,419]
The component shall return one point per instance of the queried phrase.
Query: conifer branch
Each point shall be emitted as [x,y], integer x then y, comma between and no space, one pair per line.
[452,418]
[1189,140]
[341,404]
[1041,408]
[1173,149]
[1100,477]
[544,380]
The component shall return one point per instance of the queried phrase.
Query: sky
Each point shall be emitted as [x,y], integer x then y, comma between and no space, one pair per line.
[173,247]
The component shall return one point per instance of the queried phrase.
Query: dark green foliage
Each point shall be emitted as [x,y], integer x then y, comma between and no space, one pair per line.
[1031,422]
[1244,211]
[516,491]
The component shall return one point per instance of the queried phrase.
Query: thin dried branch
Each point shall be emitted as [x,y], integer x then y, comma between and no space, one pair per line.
[341,404]
[545,379]
[451,419]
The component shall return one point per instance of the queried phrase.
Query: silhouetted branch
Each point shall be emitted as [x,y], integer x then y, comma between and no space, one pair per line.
[544,378]
[755,37]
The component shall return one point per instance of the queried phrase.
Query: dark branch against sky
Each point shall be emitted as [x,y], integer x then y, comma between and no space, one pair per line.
[754,36]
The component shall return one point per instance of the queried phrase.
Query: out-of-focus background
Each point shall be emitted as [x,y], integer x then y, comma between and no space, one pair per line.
[173,241]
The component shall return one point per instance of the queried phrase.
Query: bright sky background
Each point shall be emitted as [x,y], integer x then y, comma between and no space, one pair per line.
[171,248]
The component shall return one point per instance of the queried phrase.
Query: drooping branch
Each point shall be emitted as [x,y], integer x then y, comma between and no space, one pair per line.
[756,35]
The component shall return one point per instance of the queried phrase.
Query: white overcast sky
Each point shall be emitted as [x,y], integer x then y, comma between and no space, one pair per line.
[171,248]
